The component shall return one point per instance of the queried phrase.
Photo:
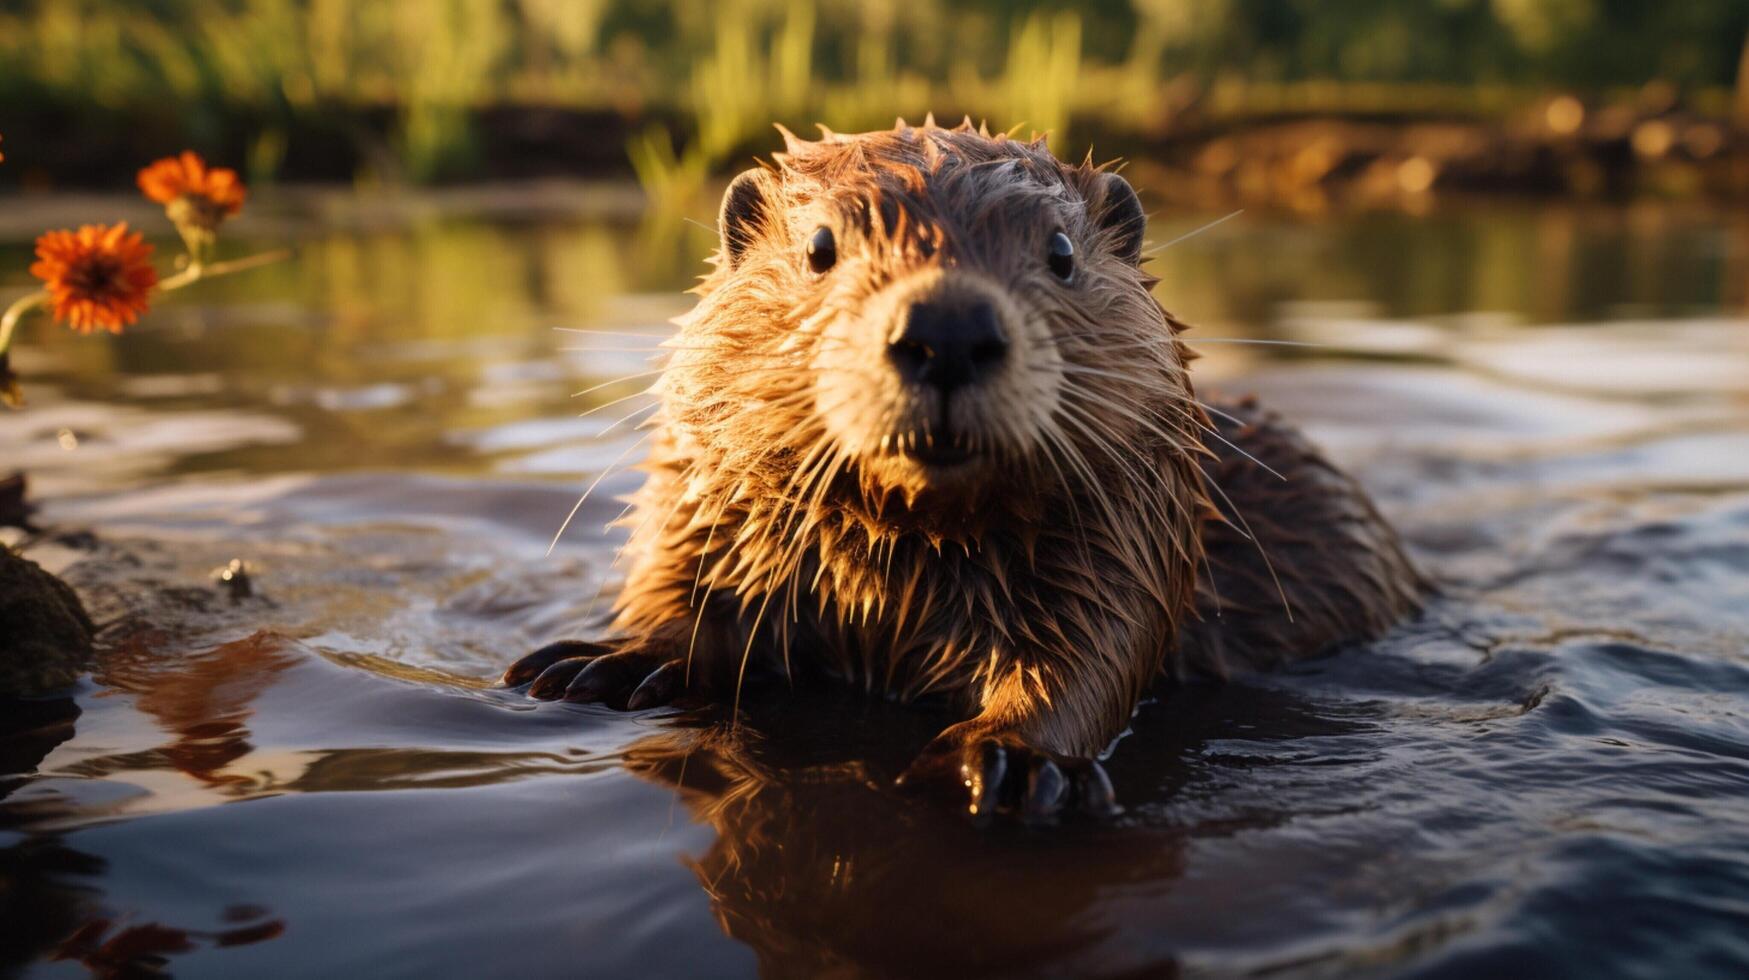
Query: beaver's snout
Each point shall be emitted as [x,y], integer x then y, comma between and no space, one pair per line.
[948,342]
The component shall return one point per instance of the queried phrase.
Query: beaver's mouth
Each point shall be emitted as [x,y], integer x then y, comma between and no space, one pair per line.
[940,455]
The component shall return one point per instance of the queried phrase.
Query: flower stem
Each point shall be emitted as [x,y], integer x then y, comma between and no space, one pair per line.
[14,313]
[197,270]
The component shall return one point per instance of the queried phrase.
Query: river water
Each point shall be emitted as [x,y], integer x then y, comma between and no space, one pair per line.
[1546,774]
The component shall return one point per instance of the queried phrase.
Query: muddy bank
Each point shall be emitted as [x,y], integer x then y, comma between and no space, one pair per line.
[1562,149]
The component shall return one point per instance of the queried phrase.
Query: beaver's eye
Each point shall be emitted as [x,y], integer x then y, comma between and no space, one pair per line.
[822,250]
[1062,256]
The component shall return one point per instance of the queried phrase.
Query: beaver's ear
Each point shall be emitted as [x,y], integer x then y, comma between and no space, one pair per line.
[1115,206]
[747,204]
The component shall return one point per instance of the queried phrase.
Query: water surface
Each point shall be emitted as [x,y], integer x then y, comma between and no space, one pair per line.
[1546,774]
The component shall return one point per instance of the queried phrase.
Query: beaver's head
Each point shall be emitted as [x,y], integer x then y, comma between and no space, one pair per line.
[927,320]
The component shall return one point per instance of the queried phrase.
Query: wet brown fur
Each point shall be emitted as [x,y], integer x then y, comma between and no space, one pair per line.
[782,525]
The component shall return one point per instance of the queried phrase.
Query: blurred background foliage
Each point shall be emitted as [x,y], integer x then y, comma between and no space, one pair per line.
[424,90]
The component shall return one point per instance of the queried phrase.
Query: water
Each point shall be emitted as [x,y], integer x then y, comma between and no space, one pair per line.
[1546,774]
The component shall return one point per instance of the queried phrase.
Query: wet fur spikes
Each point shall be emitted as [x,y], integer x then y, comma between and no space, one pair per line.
[799,516]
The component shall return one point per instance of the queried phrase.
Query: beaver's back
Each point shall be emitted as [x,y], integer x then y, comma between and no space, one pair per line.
[1302,563]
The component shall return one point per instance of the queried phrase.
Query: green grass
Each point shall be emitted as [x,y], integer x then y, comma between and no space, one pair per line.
[719,74]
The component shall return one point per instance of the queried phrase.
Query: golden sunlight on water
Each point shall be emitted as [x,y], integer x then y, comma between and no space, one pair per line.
[433,332]
[1551,402]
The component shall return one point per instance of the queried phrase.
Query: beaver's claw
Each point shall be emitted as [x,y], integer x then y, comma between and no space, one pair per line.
[533,665]
[993,773]
[594,673]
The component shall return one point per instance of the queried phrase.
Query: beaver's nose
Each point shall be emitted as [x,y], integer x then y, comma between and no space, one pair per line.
[948,343]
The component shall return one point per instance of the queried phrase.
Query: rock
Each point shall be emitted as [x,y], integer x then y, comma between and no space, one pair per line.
[45,635]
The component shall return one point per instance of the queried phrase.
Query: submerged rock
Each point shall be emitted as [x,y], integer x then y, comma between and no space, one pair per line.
[45,635]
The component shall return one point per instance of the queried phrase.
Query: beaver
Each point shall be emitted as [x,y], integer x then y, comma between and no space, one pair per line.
[928,432]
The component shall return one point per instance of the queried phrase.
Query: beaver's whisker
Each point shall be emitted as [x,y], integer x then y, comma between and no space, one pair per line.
[617,401]
[1262,341]
[723,349]
[615,381]
[1166,343]
[1230,445]
[1167,351]
[697,574]
[1094,430]
[619,553]
[1093,346]
[1092,372]
[1167,347]
[704,555]
[660,349]
[1208,569]
[1089,430]
[1058,442]
[602,476]
[838,458]
[623,419]
[1193,232]
[791,566]
[1236,420]
[644,334]
[788,359]
[1262,553]
[601,589]
[1078,461]
[1090,426]
[1174,436]
[789,366]
[778,565]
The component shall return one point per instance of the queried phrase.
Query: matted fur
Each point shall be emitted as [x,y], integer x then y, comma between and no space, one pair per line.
[798,513]
[1044,592]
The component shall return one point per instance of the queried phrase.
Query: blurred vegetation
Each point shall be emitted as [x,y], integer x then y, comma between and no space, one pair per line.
[437,89]
[386,339]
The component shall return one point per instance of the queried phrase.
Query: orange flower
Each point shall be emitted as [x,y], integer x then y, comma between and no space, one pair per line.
[193,194]
[98,277]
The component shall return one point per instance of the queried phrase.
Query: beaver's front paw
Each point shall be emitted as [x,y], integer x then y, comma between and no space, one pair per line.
[995,771]
[597,673]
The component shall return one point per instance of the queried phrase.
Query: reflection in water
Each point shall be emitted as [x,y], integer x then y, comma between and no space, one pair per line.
[1545,776]
[50,906]
[41,897]
[390,346]
[37,902]
[29,730]
[204,701]
[823,868]
[117,950]
[201,701]
[365,770]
